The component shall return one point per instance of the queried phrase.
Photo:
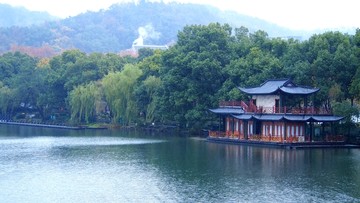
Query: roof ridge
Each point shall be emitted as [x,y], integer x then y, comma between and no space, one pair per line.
[286,80]
[268,80]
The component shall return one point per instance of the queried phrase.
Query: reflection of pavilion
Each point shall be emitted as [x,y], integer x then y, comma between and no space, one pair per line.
[278,111]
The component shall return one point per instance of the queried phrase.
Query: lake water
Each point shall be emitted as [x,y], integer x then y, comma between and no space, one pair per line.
[53,165]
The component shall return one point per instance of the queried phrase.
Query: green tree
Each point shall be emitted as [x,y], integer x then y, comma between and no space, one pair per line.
[74,68]
[348,111]
[82,102]
[119,89]
[191,73]
[6,99]
[243,42]
[151,85]
[254,68]
[355,82]
[21,78]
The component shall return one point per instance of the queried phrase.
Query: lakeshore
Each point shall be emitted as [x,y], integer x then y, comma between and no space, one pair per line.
[149,129]
[220,140]
[43,125]
[61,126]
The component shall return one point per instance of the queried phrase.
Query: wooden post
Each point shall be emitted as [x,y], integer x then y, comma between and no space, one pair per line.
[311,131]
[273,131]
[245,127]
[323,130]
[224,124]
[233,125]
[305,104]
[312,109]
[285,130]
[280,103]
[219,125]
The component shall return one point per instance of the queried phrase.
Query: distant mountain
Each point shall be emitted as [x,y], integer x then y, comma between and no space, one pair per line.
[116,28]
[20,16]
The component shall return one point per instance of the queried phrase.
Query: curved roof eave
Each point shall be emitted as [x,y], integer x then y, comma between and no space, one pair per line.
[326,118]
[254,91]
[269,117]
[243,116]
[297,117]
[289,117]
[299,90]
[307,118]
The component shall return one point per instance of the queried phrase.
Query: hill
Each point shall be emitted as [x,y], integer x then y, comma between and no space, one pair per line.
[20,16]
[116,28]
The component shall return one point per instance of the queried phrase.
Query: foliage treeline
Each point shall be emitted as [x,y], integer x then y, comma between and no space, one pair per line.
[180,84]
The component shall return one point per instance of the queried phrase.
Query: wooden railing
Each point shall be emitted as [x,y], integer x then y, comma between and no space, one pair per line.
[244,106]
[290,139]
[230,104]
[251,107]
[217,134]
[292,110]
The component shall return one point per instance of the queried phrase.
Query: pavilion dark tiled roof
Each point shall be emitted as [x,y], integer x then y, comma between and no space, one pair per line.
[289,117]
[244,116]
[283,85]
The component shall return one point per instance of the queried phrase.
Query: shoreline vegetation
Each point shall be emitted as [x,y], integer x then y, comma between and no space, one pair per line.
[175,88]
[95,126]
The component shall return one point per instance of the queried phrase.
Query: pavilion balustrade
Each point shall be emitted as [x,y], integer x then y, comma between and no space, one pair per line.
[252,108]
[230,104]
[267,138]
[217,134]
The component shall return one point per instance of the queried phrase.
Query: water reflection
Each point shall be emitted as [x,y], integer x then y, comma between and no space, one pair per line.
[43,167]
[313,175]
[50,165]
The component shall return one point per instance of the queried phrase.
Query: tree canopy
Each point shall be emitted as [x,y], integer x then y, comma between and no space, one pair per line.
[180,84]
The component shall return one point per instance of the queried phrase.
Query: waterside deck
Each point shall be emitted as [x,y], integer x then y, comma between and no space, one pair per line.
[285,145]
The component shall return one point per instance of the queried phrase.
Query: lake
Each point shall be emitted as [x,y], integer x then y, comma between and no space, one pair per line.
[54,165]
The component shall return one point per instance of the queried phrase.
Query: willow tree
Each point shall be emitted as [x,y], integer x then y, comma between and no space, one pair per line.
[6,96]
[82,101]
[151,85]
[118,89]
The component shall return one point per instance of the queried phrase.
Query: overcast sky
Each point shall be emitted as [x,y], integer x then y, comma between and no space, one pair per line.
[294,14]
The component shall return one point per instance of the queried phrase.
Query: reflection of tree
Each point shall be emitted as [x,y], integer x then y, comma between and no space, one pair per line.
[314,169]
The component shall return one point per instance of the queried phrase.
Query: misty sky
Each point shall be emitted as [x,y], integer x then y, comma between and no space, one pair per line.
[294,14]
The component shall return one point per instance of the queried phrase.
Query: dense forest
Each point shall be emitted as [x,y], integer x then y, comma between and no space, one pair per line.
[114,29]
[180,84]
